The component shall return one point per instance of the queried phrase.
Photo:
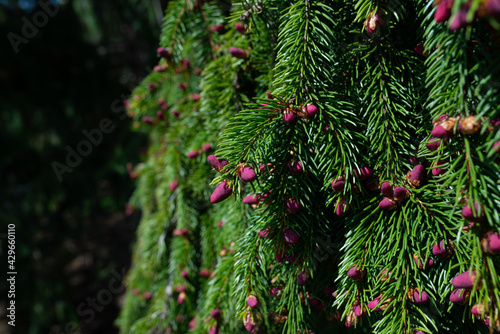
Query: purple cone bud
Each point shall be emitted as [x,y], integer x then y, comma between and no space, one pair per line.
[386,189]
[338,184]
[419,298]
[293,205]
[193,154]
[296,167]
[240,28]
[465,280]
[491,243]
[238,53]
[440,250]
[460,20]
[148,120]
[302,278]
[372,305]
[217,163]
[247,174]
[443,11]
[252,301]
[473,215]
[387,204]
[440,132]
[492,7]
[355,273]
[310,110]
[459,296]
[221,192]
[216,313]
[341,207]
[217,28]
[433,144]
[416,176]
[251,199]
[164,53]
[358,310]
[363,173]
[291,237]
[400,193]
[289,117]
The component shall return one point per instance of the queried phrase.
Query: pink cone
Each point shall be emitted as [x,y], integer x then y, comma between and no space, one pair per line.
[221,192]
[251,199]
[465,280]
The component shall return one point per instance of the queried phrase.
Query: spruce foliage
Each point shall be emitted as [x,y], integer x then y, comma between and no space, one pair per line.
[352,150]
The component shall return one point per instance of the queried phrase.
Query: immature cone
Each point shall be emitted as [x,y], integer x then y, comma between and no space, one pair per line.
[217,28]
[420,263]
[460,296]
[491,243]
[148,120]
[221,192]
[246,174]
[249,323]
[296,167]
[292,205]
[400,193]
[386,189]
[356,273]
[193,154]
[387,204]
[214,329]
[436,171]
[251,199]
[475,215]
[416,297]
[460,20]
[358,310]
[216,313]
[433,144]
[206,147]
[465,280]
[469,125]
[338,184]
[442,251]
[164,53]
[238,53]
[378,305]
[173,185]
[240,28]
[289,117]
[217,163]
[147,295]
[181,298]
[443,11]
[416,176]
[310,110]
[445,129]
[351,319]
[363,173]
[291,237]
[176,114]
[372,305]
[372,22]
[252,301]
[492,7]
[302,278]
[342,207]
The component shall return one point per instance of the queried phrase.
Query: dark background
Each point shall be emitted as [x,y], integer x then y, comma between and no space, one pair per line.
[70,235]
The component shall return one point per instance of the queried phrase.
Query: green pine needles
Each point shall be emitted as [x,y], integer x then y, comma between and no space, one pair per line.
[319,167]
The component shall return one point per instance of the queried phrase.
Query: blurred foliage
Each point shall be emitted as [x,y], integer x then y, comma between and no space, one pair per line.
[70,235]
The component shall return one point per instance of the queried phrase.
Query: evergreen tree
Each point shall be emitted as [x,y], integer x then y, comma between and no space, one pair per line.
[316,165]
